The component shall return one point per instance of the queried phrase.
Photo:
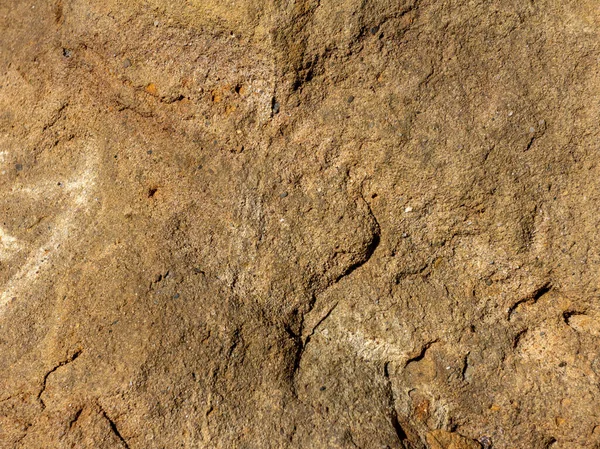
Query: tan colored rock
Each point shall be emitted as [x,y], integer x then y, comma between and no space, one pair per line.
[441,439]
[299,224]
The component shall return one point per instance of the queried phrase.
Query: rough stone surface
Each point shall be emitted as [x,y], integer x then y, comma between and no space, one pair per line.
[299,224]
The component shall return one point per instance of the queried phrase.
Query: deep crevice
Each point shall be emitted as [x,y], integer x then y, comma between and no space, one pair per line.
[465,367]
[113,427]
[541,291]
[568,314]
[295,368]
[400,433]
[529,144]
[532,297]
[75,418]
[368,253]
[517,338]
[421,353]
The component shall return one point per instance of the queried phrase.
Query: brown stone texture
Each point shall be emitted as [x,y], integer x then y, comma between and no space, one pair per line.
[300,224]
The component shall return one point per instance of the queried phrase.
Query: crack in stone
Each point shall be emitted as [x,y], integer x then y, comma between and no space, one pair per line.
[421,354]
[299,342]
[45,380]
[74,419]
[533,297]
[312,332]
[113,427]
[400,433]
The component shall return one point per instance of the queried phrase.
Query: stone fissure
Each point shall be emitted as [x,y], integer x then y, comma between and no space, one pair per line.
[301,344]
[533,297]
[45,379]
[113,427]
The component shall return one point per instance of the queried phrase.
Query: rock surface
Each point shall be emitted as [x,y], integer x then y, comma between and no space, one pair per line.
[302,224]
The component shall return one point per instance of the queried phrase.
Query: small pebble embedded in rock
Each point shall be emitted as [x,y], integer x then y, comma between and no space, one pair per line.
[350,99]
[283,195]
[19,167]
[486,442]
[152,89]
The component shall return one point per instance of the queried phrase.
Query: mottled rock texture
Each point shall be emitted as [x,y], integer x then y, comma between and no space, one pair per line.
[300,224]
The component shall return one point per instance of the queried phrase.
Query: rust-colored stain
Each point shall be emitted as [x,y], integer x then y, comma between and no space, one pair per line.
[422,410]
[151,89]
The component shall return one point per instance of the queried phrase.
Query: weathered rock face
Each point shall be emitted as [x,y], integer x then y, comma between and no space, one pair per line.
[299,224]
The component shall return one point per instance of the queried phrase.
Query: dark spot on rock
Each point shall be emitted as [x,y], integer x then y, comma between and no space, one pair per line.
[486,442]
[66,52]
[374,30]
[350,99]
[274,106]
[323,388]
[562,364]
[488,282]
[149,152]
[176,296]
[283,195]
[126,63]
[19,167]
[152,191]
